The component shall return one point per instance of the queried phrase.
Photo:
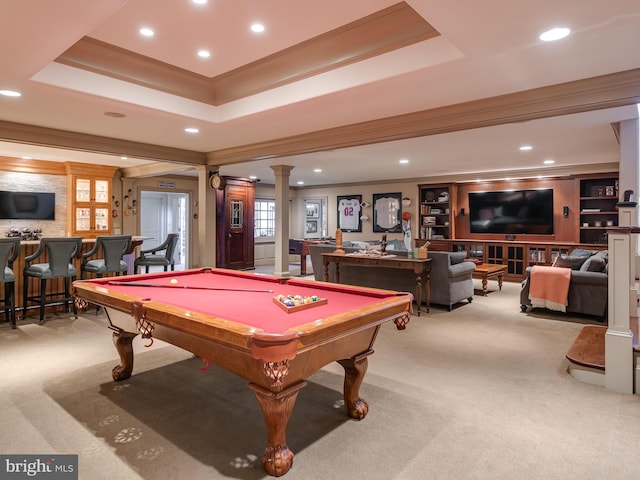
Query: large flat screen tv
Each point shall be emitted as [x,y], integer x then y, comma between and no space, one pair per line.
[512,211]
[27,206]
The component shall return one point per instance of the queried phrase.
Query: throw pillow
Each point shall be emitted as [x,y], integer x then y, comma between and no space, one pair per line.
[578,252]
[593,264]
[604,254]
[567,261]
[457,257]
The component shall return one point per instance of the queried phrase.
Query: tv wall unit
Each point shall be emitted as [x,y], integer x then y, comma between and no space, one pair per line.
[577,200]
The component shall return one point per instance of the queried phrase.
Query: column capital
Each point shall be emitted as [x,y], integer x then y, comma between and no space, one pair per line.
[281,170]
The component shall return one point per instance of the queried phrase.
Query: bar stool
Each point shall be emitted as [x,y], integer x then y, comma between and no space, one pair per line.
[9,248]
[114,247]
[60,253]
[150,257]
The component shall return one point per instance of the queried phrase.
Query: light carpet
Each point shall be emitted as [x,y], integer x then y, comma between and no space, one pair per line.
[481,392]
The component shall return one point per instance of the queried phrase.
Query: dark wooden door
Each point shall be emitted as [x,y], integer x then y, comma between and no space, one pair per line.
[234,225]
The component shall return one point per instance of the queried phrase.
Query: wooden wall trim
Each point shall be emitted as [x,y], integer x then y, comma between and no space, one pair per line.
[39,167]
[606,91]
[77,168]
[566,192]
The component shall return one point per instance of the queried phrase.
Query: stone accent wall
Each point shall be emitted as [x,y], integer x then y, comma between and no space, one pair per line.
[29,182]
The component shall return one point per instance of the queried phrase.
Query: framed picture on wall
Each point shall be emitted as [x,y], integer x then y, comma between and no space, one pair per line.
[349,213]
[387,212]
[313,209]
[312,226]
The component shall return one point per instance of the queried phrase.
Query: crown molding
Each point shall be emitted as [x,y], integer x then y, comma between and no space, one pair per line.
[386,30]
[51,137]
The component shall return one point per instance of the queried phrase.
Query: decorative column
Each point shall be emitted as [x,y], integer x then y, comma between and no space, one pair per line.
[282,173]
[629,179]
[619,368]
[206,212]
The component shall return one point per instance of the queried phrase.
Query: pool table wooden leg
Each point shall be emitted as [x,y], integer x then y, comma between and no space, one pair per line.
[276,407]
[354,370]
[122,340]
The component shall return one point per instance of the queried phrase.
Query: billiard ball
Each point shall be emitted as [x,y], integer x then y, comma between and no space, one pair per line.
[173,281]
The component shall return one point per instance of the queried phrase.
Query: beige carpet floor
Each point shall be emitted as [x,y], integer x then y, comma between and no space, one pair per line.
[481,392]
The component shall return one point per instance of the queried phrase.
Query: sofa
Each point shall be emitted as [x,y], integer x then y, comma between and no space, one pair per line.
[588,287]
[450,280]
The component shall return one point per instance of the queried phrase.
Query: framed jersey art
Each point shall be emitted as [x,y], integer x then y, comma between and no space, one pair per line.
[349,213]
[387,211]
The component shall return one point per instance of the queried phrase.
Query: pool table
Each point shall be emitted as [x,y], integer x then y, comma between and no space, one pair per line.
[230,318]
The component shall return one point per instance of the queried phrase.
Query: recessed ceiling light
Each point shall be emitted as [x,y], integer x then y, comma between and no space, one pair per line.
[115,114]
[317,170]
[146,32]
[404,161]
[554,34]
[257,27]
[300,182]
[24,157]
[549,162]
[124,158]
[191,130]
[10,93]
[200,2]
[526,148]
[253,177]
[204,53]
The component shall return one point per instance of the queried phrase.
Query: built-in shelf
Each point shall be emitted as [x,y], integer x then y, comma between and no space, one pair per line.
[598,207]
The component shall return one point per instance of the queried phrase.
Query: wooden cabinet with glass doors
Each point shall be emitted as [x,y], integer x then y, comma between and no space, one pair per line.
[89,202]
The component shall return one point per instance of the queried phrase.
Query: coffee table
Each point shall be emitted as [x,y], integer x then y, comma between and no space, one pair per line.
[486,271]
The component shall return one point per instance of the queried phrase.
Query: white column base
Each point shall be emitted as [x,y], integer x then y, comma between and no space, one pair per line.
[593,376]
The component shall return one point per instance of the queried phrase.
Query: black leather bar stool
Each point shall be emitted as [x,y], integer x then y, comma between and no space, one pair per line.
[114,247]
[60,253]
[151,257]
[9,248]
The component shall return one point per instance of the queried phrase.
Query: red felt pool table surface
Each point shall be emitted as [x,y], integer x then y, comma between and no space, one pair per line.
[229,318]
[244,298]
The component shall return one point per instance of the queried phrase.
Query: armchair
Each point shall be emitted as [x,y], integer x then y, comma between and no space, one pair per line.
[151,257]
[451,278]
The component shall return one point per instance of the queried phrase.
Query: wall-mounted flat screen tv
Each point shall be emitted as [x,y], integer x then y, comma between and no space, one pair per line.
[27,206]
[512,212]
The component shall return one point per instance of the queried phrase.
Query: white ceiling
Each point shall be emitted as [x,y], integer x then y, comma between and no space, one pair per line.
[485,49]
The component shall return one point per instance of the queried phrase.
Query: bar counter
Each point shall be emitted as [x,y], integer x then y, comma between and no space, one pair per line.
[28,247]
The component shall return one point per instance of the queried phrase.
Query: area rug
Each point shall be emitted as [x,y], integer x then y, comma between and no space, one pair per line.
[175,422]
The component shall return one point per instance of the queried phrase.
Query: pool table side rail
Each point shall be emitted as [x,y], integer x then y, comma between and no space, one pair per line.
[238,335]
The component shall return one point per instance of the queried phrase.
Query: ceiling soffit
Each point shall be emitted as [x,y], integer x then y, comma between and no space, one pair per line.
[382,32]
[606,91]
[51,137]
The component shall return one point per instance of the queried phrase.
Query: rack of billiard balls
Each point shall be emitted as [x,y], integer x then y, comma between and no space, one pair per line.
[294,303]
